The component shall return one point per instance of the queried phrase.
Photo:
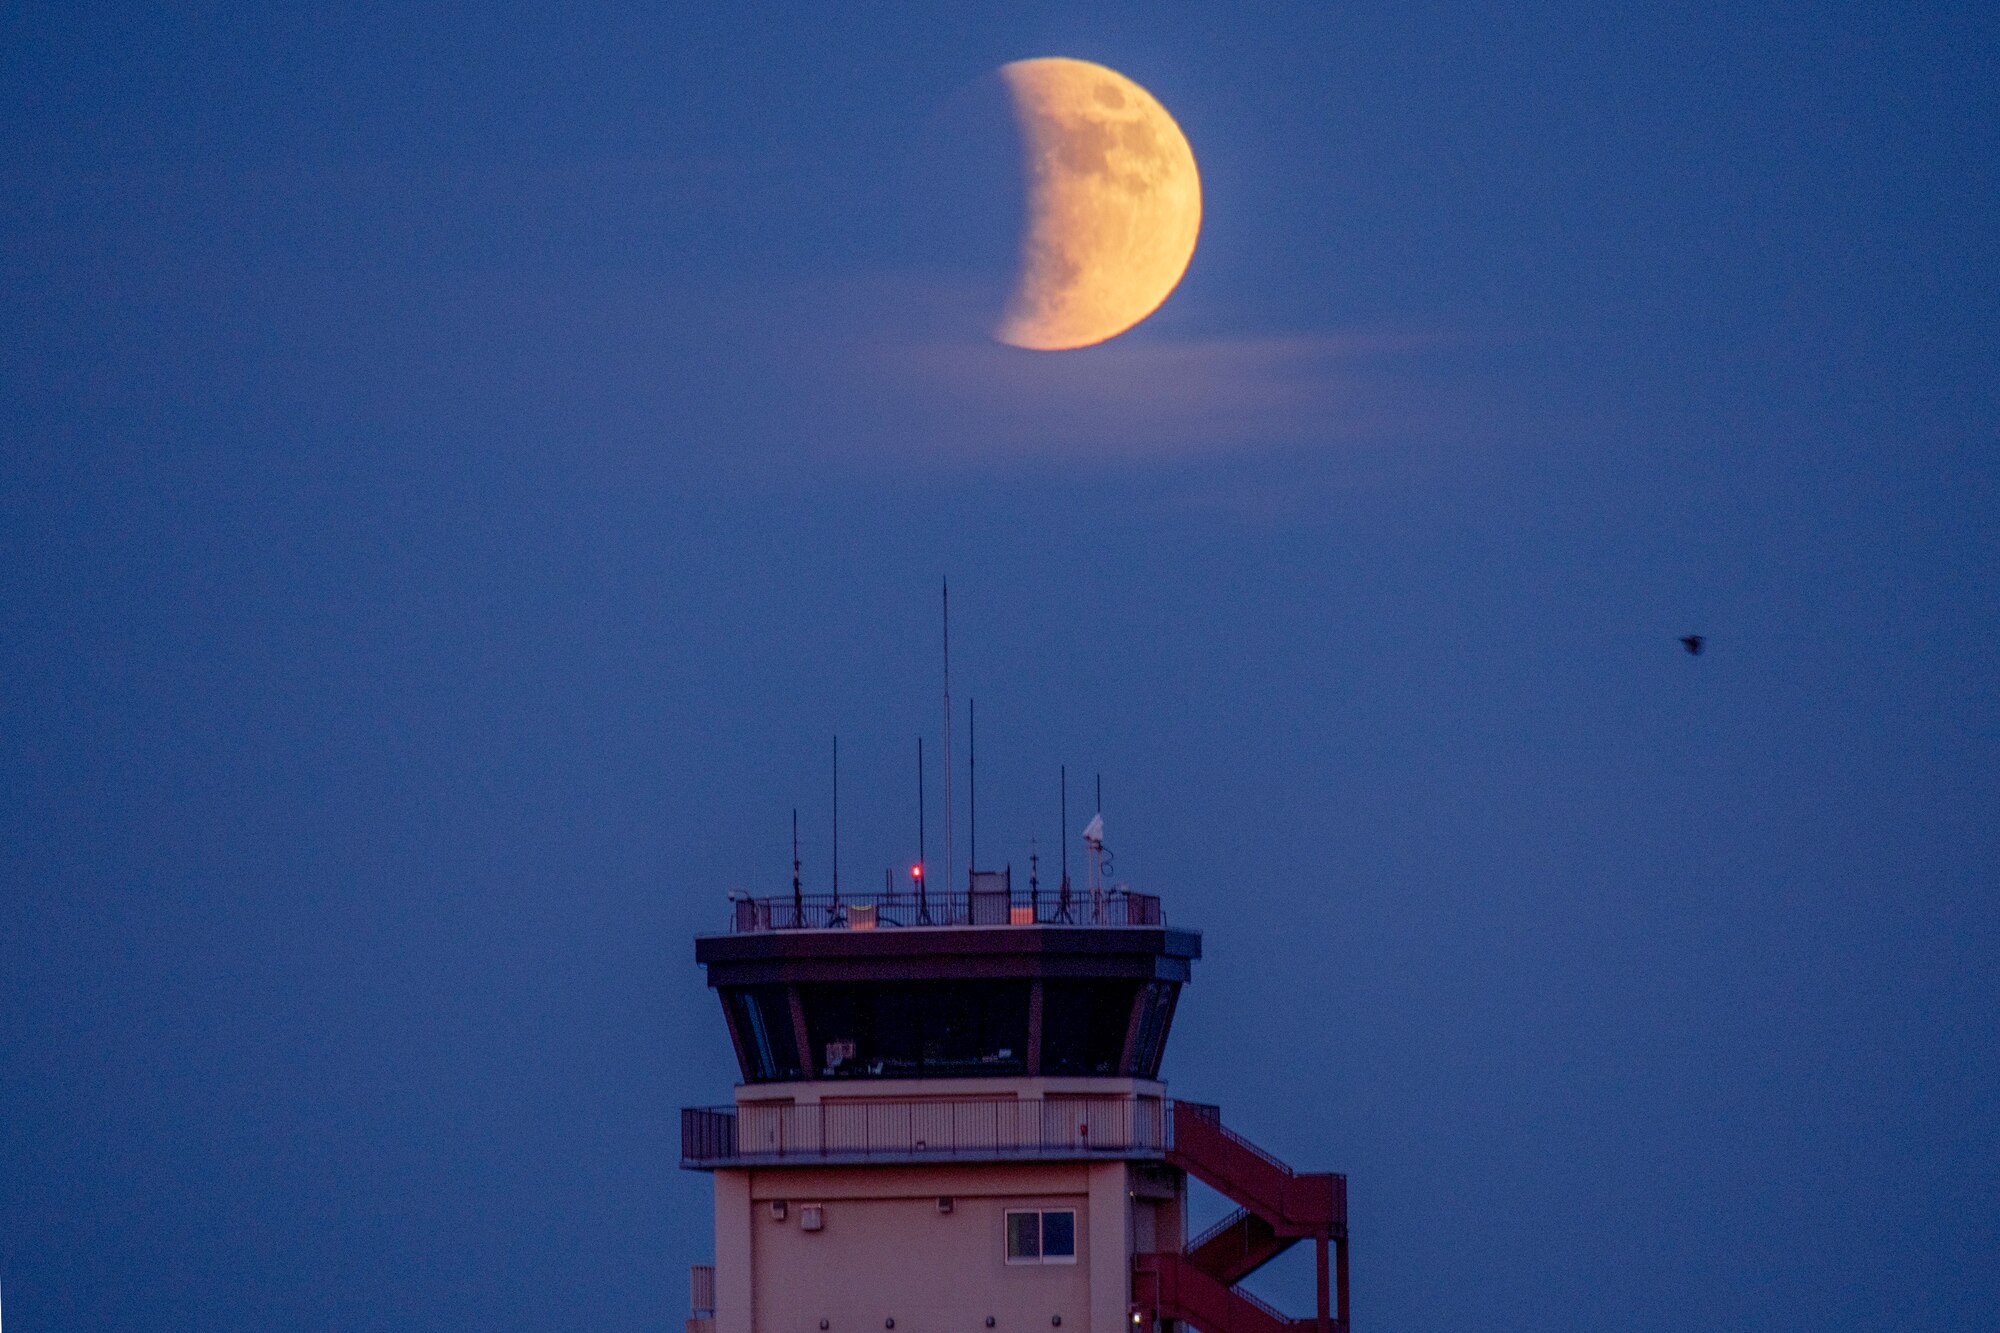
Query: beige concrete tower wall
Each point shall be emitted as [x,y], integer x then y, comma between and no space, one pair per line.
[885,1249]
[1109,1227]
[733,1274]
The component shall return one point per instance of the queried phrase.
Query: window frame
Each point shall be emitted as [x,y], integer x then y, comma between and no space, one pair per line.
[1041,1255]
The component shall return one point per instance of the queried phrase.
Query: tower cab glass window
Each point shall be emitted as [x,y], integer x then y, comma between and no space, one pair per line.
[1041,1236]
[968,1028]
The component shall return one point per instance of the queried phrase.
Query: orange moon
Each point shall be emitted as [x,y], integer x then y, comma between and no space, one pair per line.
[1114,203]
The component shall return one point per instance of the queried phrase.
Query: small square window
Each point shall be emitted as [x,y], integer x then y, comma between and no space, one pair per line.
[1041,1237]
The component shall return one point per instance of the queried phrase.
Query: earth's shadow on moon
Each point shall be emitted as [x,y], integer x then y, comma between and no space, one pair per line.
[966,206]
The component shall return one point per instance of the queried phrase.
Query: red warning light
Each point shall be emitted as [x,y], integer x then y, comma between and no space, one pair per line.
[917,870]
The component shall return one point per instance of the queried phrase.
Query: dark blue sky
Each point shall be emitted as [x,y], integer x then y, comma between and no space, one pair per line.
[462,465]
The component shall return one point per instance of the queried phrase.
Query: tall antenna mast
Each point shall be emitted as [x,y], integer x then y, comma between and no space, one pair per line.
[1062,902]
[947,736]
[923,910]
[1034,883]
[798,896]
[971,788]
[836,821]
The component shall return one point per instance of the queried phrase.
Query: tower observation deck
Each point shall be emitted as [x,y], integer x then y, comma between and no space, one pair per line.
[950,1116]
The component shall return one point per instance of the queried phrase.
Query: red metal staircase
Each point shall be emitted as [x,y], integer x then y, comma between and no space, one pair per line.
[1238,1246]
[1280,1207]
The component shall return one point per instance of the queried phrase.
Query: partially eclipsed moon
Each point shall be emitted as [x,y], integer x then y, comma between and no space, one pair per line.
[1114,203]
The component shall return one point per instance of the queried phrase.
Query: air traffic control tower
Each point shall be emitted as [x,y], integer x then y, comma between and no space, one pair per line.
[951,1120]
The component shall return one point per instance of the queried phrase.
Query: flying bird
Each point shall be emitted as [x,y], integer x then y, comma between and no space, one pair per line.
[1693,643]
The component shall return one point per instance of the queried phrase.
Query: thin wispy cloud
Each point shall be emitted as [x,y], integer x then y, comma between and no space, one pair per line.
[905,375]
[1146,399]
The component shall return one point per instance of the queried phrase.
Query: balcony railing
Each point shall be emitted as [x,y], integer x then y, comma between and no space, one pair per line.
[925,1130]
[997,907]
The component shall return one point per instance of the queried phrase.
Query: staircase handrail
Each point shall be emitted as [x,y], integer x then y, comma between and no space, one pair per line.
[1263,1307]
[1212,1115]
[1187,1281]
[1235,1219]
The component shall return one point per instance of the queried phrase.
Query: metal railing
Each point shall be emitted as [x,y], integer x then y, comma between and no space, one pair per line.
[1225,1160]
[1211,1114]
[701,1291]
[915,1129]
[1174,1287]
[1000,907]
[1268,1310]
[1228,1223]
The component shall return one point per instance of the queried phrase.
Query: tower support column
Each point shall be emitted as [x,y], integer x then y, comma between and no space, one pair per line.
[733,1276]
[1325,1295]
[1110,1247]
[1340,1280]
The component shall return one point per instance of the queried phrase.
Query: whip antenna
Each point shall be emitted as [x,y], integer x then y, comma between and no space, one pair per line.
[836,821]
[917,871]
[947,736]
[798,897]
[971,788]
[1062,901]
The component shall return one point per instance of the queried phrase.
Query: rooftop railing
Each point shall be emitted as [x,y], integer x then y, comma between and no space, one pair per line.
[925,1130]
[979,907]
